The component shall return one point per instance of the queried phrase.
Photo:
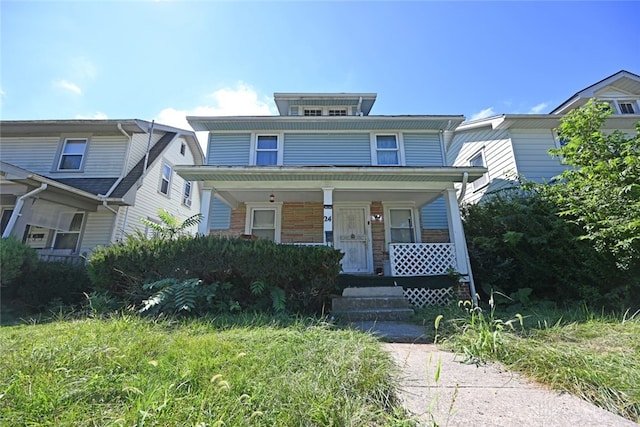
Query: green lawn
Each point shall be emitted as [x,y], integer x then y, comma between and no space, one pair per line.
[131,371]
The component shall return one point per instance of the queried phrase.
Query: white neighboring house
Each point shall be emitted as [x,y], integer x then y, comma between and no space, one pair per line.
[68,186]
[511,145]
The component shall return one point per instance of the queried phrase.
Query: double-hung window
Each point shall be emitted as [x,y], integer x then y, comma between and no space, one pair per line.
[165,179]
[386,150]
[186,198]
[266,150]
[263,220]
[69,239]
[73,153]
[401,226]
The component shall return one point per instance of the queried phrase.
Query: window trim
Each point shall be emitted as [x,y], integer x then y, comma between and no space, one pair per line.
[482,181]
[278,150]
[79,233]
[61,154]
[374,147]
[186,196]
[170,181]
[415,216]
[262,206]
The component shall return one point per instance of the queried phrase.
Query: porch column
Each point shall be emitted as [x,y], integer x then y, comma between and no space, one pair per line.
[328,215]
[456,232]
[205,208]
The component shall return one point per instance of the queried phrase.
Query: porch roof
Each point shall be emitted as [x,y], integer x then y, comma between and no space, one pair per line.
[234,184]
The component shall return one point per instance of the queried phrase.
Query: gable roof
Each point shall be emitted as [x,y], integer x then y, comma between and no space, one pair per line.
[623,80]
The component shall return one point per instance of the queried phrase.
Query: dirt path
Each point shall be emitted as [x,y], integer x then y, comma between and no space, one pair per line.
[467,395]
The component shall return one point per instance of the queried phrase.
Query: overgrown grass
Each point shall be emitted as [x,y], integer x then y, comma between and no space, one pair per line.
[593,356]
[243,372]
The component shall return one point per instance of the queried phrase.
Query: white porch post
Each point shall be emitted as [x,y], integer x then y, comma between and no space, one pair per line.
[205,208]
[328,216]
[456,232]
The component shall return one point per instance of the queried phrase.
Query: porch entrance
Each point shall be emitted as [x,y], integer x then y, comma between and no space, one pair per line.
[352,238]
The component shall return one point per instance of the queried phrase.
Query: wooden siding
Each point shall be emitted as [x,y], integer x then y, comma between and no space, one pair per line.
[532,157]
[219,214]
[423,149]
[149,199]
[97,231]
[434,215]
[229,149]
[353,149]
[498,156]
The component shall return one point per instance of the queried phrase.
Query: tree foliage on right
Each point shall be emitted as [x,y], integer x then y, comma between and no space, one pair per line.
[600,190]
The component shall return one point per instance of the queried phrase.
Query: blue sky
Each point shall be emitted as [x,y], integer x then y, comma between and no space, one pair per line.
[164,60]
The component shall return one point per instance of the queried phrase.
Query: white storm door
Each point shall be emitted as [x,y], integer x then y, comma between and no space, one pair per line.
[352,238]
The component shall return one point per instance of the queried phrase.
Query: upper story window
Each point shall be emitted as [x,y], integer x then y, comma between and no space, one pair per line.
[186,198]
[626,107]
[479,161]
[386,150]
[338,112]
[165,179]
[267,149]
[312,112]
[72,154]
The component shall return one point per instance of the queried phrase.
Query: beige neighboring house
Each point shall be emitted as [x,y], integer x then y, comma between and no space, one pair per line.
[68,186]
[511,145]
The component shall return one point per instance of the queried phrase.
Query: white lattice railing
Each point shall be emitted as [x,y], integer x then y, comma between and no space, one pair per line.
[421,259]
[420,297]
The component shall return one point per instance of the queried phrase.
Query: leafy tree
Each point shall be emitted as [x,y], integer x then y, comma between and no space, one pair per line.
[601,192]
[171,226]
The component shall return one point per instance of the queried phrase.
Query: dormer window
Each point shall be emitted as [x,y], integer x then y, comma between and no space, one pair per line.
[312,112]
[338,112]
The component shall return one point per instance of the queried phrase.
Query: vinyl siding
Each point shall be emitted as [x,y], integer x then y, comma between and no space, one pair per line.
[532,157]
[34,154]
[229,149]
[498,156]
[422,149]
[349,149]
[139,144]
[434,215]
[220,215]
[97,231]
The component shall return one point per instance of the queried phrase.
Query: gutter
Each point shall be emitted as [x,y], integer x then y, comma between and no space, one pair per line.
[18,208]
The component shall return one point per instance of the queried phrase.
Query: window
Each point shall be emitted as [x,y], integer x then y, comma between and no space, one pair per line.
[478,161]
[312,112]
[626,107]
[6,215]
[263,220]
[69,239]
[267,150]
[387,151]
[401,226]
[338,112]
[183,148]
[186,199]
[72,155]
[165,180]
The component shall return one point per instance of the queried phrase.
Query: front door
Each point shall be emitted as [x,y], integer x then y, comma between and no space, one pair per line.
[352,238]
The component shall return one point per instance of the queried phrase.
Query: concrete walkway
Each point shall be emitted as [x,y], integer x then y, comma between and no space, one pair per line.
[470,395]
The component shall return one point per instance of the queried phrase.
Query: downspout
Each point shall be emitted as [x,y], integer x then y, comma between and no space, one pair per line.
[18,208]
[472,284]
[359,107]
[463,189]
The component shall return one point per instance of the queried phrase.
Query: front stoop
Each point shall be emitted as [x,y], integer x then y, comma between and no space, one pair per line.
[375,303]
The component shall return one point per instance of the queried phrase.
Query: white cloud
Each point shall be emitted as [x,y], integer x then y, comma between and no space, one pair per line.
[67,85]
[487,112]
[538,108]
[242,100]
[97,116]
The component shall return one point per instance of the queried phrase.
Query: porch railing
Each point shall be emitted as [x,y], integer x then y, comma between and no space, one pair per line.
[421,259]
[60,255]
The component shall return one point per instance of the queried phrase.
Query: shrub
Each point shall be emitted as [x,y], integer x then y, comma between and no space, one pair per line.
[516,241]
[306,275]
[15,259]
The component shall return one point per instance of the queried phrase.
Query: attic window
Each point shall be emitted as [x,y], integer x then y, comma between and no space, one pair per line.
[626,107]
[312,112]
[338,112]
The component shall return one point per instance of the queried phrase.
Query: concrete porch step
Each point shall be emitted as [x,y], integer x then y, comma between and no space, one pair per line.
[373,303]
[386,314]
[369,303]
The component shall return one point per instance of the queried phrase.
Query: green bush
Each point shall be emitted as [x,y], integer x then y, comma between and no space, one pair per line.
[16,258]
[306,275]
[516,241]
[53,281]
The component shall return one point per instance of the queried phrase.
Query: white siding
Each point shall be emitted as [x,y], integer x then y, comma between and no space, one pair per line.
[139,144]
[532,157]
[422,149]
[327,149]
[97,230]
[149,199]
[498,155]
